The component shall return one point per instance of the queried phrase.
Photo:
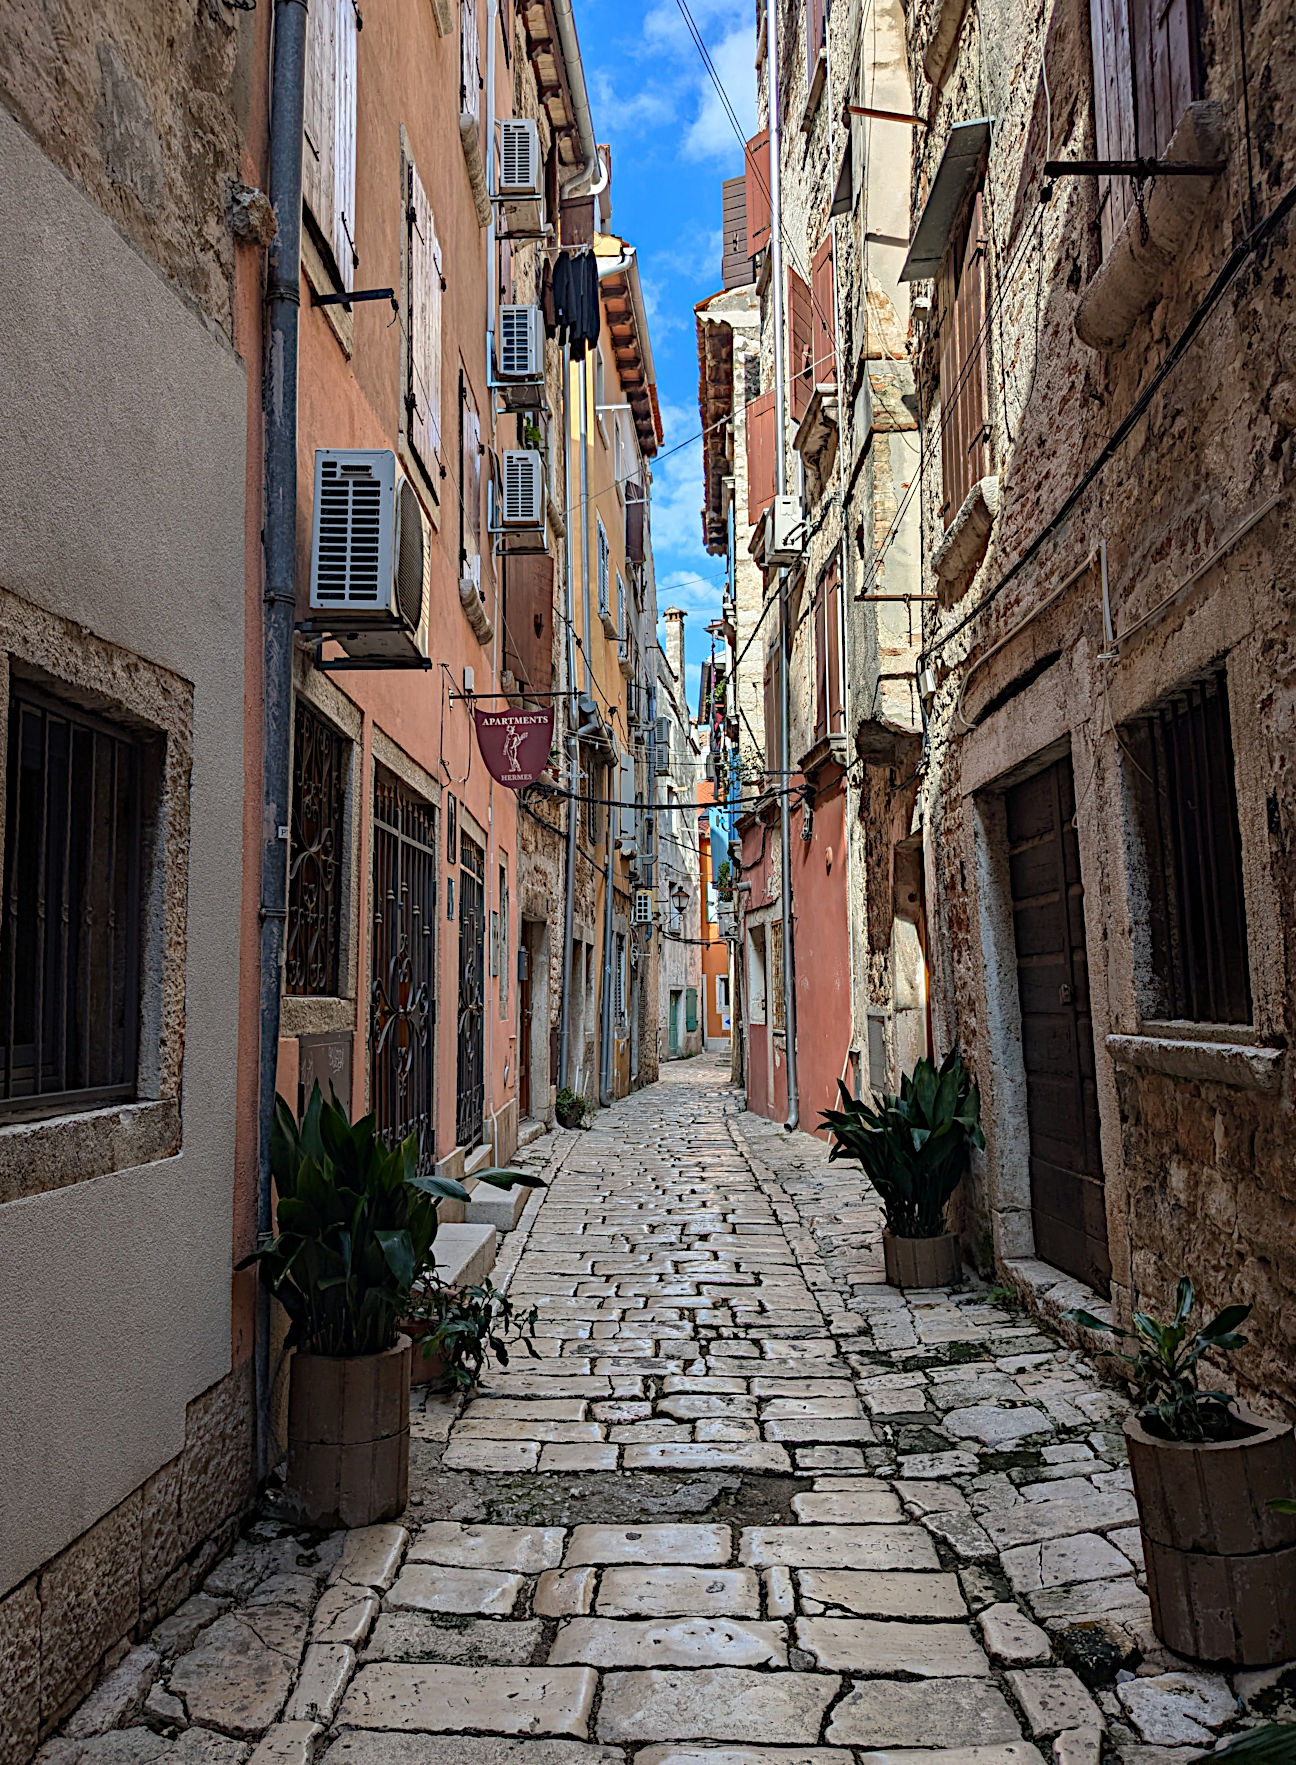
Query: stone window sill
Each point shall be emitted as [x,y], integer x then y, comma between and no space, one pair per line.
[818,79]
[957,558]
[1139,271]
[1243,1064]
[945,28]
[39,1156]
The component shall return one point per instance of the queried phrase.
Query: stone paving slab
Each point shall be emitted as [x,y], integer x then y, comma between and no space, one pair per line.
[724,1704]
[447,1700]
[670,1642]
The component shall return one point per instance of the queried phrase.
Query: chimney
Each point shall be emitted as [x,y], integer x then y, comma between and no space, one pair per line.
[674,645]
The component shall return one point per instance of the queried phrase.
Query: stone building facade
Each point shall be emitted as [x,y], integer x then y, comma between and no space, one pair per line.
[1104,370]
[130,293]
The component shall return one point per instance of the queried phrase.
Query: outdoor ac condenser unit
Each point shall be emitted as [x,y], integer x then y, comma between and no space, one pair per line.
[520,169]
[642,911]
[784,531]
[369,557]
[521,343]
[522,492]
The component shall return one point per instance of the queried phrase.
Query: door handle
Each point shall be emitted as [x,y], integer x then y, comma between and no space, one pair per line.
[1065,995]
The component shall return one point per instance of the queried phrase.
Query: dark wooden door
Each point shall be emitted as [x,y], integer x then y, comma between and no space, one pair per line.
[470,1097]
[524,1027]
[1067,1201]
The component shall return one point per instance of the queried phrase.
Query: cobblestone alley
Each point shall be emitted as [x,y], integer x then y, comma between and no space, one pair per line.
[749,1506]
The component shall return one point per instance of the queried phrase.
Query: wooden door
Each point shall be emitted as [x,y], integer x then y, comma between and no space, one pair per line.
[524,1028]
[1067,1200]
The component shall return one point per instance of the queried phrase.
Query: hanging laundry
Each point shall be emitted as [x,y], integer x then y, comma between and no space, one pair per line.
[576,309]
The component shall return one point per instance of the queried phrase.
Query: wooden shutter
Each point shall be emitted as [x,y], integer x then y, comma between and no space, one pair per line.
[771,711]
[965,454]
[470,482]
[319,105]
[821,661]
[1166,76]
[833,639]
[1114,132]
[635,509]
[824,371]
[816,33]
[469,63]
[604,568]
[800,344]
[735,263]
[423,309]
[761,438]
[343,225]
[528,618]
[758,192]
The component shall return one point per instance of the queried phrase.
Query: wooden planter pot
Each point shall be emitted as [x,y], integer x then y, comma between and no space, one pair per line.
[1221,1565]
[922,1262]
[348,1436]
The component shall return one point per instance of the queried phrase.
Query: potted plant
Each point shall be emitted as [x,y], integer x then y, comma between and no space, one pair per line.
[914,1150]
[1208,1478]
[457,1327]
[571,1109]
[355,1229]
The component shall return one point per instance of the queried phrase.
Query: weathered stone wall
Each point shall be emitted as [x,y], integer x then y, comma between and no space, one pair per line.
[1192,1146]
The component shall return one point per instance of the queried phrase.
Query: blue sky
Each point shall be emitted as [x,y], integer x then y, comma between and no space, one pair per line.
[672,144]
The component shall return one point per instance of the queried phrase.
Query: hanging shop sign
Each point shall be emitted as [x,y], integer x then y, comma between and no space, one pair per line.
[515,744]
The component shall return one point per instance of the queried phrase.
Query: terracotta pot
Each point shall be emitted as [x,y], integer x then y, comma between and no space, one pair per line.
[348,1436]
[1221,1565]
[922,1262]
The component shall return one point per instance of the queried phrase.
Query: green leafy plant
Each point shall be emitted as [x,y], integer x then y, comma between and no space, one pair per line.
[1163,1368]
[462,1325]
[572,1110]
[724,880]
[355,1227]
[914,1147]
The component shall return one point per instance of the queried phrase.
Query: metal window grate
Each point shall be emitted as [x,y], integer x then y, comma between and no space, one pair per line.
[1196,907]
[70,965]
[314,935]
[404,965]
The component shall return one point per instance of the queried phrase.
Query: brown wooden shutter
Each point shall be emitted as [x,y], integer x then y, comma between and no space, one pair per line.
[771,711]
[816,33]
[528,618]
[635,509]
[965,454]
[1114,132]
[758,192]
[761,438]
[833,634]
[735,263]
[821,286]
[821,662]
[1166,76]
[800,344]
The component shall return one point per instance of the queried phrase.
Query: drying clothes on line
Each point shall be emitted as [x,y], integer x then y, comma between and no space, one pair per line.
[577,317]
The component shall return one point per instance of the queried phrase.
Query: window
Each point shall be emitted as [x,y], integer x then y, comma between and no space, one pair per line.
[604,569]
[757,158]
[329,127]
[824,369]
[756,974]
[773,711]
[722,994]
[470,80]
[965,435]
[600,392]
[800,344]
[635,510]
[314,931]
[1147,68]
[424,281]
[619,977]
[503,939]
[1181,777]
[70,959]
[594,779]
[620,608]
[829,711]
[402,1007]
[470,453]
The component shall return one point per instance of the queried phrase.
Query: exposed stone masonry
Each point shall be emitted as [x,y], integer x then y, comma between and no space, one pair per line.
[747,1504]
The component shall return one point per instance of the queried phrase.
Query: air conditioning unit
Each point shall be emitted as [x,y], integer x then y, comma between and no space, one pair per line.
[521,175]
[522,490]
[641,912]
[521,343]
[370,557]
[785,535]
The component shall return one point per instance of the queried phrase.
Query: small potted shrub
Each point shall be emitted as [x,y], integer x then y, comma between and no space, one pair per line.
[457,1327]
[914,1150]
[571,1109]
[355,1228]
[1209,1479]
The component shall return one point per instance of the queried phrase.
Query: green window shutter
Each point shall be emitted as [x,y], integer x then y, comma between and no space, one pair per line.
[690,1009]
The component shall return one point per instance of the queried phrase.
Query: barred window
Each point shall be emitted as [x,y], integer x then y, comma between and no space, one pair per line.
[1181,773]
[70,955]
[312,955]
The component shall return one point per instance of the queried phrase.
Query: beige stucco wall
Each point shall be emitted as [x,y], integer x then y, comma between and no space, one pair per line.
[121,508]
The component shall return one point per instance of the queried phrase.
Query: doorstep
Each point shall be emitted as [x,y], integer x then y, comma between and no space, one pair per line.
[501,1208]
[465,1254]
[531,1130]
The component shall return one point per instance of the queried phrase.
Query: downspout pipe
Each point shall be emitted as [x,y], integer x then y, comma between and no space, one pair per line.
[279,544]
[592,172]
[793,1116]
[605,1029]
[573,746]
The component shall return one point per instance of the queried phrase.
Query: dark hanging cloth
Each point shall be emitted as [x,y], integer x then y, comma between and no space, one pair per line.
[547,301]
[577,317]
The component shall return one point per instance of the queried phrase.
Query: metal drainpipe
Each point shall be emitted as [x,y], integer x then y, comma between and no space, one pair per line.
[785,635]
[279,541]
[605,1028]
[584,517]
[573,746]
